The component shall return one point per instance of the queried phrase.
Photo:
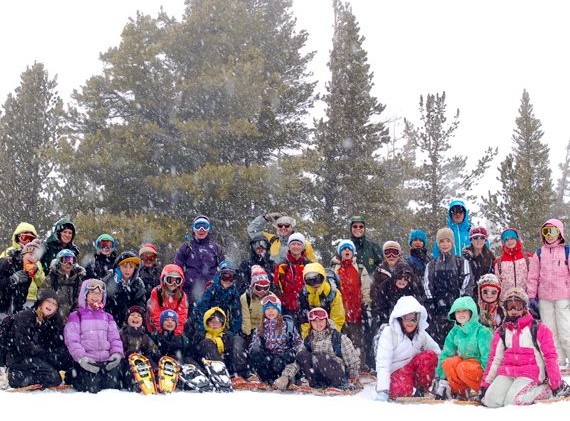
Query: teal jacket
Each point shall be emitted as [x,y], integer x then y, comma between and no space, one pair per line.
[470,340]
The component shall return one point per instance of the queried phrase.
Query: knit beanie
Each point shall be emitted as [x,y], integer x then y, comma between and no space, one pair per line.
[391,245]
[32,247]
[168,314]
[488,280]
[445,233]
[135,309]
[509,233]
[296,236]
[285,220]
[478,231]
[417,235]
[259,275]
[148,248]
[345,244]
[515,294]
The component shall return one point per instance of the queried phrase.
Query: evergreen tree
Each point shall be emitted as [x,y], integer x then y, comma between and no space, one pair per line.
[32,121]
[562,208]
[525,198]
[439,177]
[348,177]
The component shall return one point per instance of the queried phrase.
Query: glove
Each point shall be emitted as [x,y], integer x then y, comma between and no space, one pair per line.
[113,361]
[19,277]
[482,393]
[89,364]
[533,306]
[443,390]
[281,383]
[467,254]
[273,216]
[381,396]
[562,391]
[354,384]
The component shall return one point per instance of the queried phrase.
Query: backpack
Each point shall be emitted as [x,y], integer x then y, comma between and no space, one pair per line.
[533,332]
[566,253]
[6,337]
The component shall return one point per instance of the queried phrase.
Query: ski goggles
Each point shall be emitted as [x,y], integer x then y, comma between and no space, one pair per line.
[550,231]
[261,286]
[67,260]
[514,305]
[173,280]
[201,226]
[392,253]
[315,279]
[96,287]
[456,209]
[106,245]
[270,299]
[148,257]
[410,318]
[406,276]
[26,237]
[317,314]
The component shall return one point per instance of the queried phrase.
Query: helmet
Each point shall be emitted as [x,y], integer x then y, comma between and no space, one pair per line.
[104,237]
[65,253]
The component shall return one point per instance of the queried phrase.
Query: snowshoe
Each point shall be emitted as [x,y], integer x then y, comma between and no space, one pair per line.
[143,374]
[168,369]
[218,374]
[194,379]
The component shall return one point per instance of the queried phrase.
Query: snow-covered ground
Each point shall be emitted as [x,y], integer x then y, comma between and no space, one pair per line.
[244,405]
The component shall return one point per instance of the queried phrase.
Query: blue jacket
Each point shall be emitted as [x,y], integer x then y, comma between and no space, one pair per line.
[460,231]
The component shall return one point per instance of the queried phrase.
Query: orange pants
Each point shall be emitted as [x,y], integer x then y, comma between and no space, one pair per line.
[463,375]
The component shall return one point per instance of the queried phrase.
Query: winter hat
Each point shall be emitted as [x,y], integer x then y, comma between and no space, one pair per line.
[32,247]
[488,280]
[391,245]
[270,300]
[44,294]
[296,236]
[148,248]
[227,266]
[509,233]
[259,276]
[417,234]
[401,269]
[136,309]
[345,244]
[357,218]
[285,220]
[168,314]
[443,233]
[104,237]
[127,257]
[515,294]
[478,231]
[201,220]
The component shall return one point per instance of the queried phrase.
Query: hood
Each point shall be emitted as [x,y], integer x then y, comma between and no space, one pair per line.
[172,268]
[81,301]
[60,225]
[558,224]
[209,313]
[22,227]
[408,304]
[466,224]
[463,303]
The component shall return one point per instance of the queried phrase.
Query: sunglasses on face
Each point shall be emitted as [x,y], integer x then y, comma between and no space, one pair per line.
[410,318]
[514,305]
[550,231]
[456,209]
[26,238]
[478,237]
[261,244]
[201,226]
[358,227]
[269,299]
[283,225]
[405,276]
[317,314]
[391,253]
[67,260]
[173,280]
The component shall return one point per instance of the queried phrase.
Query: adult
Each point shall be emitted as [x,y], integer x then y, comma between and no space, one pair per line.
[258,255]
[478,254]
[278,246]
[459,221]
[368,253]
[104,259]
[62,237]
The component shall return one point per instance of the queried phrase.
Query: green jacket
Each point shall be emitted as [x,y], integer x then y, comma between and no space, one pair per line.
[368,253]
[471,340]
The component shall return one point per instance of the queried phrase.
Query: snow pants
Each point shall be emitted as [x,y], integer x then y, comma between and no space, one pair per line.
[463,375]
[235,358]
[418,373]
[321,370]
[269,366]
[506,390]
[36,371]
[556,315]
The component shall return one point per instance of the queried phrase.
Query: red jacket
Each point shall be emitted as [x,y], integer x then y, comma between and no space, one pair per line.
[156,305]
[288,281]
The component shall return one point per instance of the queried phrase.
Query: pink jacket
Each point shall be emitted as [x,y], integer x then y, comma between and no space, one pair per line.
[549,276]
[520,358]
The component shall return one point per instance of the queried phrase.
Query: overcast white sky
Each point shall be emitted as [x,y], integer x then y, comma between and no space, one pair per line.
[483,54]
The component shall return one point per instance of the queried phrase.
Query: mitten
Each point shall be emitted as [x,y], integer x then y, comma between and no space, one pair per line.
[19,277]
[281,383]
[273,216]
[467,254]
[381,396]
[113,361]
[89,364]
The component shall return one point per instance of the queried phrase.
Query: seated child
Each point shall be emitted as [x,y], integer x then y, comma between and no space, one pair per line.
[274,345]
[465,352]
[169,342]
[406,355]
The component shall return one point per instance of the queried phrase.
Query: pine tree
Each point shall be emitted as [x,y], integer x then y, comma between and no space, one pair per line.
[562,208]
[348,177]
[525,198]
[30,126]
[439,177]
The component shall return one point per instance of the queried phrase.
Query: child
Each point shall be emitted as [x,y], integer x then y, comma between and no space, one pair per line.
[511,267]
[406,356]
[150,270]
[135,340]
[489,291]
[446,278]
[465,352]
[175,345]
[354,284]
[37,352]
[418,257]
[328,358]
[93,340]
[250,300]
[105,255]
[523,364]
[64,277]
[549,286]
[124,287]
[274,345]
[258,256]
[392,252]
[168,295]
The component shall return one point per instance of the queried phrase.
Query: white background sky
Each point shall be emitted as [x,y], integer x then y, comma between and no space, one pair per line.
[483,54]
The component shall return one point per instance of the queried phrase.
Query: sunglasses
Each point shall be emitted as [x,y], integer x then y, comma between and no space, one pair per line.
[106,245]
[148,257]
[67,260]
[358,227]
[228,277]
[392,253]
[317,314]
[283,225]
[408,318]
[478,237]
[201,226]
[550,231]
[514,305]
[269,299]
[25,237]
[457,209]
[314,279]
[173,280]
[405,276]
